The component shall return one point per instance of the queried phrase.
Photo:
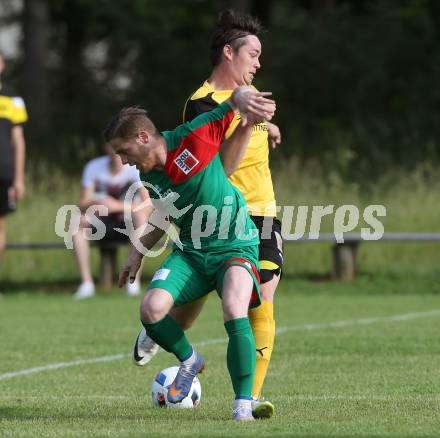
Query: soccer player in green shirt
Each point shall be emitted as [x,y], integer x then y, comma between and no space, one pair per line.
[184,175]
[235,50]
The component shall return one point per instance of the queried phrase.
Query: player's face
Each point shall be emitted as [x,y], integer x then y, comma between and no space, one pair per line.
[245,62]
[134,152]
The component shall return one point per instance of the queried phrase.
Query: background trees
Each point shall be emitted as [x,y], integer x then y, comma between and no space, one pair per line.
[357,82]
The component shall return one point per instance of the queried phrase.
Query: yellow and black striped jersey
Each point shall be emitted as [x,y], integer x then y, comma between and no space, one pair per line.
[12,112]
[252,177]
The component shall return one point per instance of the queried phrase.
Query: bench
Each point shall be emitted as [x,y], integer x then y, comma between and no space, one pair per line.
[344,255]
[108,257]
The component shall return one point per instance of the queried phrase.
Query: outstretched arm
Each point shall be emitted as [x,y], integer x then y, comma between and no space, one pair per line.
[134,260]
[254,108]
[232,149]
[145,237]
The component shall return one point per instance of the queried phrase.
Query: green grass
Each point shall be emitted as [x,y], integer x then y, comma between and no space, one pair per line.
[375,379]
[412,199]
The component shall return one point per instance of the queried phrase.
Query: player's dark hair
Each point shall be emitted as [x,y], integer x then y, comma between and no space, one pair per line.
[127,123]
[232,28]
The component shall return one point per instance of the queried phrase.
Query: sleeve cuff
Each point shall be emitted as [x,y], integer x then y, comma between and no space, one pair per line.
[225,107]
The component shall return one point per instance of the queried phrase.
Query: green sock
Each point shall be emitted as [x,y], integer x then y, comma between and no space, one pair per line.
[241,356]
[169,335]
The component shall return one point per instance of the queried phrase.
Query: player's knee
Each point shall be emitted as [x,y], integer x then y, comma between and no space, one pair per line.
[153,309]
[234,308]
[151,314]
[268,288]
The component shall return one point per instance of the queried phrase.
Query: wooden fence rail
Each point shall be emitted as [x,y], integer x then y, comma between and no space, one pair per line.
[344,254]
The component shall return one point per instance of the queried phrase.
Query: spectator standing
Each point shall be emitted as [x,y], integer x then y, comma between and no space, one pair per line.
[12,152]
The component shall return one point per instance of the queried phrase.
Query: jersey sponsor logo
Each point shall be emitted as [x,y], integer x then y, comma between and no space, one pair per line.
[186,161]
[260,127]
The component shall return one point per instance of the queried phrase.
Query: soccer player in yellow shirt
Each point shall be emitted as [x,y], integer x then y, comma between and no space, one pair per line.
[235,52]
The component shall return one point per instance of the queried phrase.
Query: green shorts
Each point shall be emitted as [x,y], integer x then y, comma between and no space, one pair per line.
[189,275]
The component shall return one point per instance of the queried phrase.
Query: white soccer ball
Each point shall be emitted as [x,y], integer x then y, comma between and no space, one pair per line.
[163,381]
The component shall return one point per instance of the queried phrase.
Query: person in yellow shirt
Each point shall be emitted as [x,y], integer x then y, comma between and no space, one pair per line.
[235,53]
[12,152]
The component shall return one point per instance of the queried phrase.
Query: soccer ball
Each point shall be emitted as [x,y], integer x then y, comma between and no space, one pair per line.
[163,381]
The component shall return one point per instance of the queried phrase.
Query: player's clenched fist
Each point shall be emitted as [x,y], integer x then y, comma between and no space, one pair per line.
[254,106]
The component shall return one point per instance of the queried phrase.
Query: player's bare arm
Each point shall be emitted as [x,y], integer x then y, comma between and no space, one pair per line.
[233,148]
[254,108]
[148,237]
[19,153]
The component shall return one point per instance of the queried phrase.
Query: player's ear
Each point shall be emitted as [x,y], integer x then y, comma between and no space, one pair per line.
[227,52]
[143,137]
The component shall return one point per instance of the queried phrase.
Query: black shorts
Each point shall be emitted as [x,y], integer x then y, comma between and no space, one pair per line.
[271,243]
[111,222]
[7,205]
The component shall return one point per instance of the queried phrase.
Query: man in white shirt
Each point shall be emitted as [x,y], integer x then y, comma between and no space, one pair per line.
[105,182]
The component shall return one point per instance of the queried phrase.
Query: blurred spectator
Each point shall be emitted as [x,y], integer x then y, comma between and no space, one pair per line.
[12,152]
[105,182]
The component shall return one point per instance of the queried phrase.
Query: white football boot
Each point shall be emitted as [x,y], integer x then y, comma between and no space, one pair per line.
[242,410]
[144,348]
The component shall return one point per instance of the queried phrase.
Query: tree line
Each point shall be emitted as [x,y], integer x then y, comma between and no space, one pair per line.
[356,81]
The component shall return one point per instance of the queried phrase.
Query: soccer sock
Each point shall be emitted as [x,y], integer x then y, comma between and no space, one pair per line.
[241,356]
[168,334]
[263,327]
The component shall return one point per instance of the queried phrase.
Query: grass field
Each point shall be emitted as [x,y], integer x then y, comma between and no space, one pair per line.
[358,359]
[355,359]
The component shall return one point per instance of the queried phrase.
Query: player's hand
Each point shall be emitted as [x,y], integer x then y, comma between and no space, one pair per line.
[130,268]
[274,135]
[113,204]
[17,190]
[253,106]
